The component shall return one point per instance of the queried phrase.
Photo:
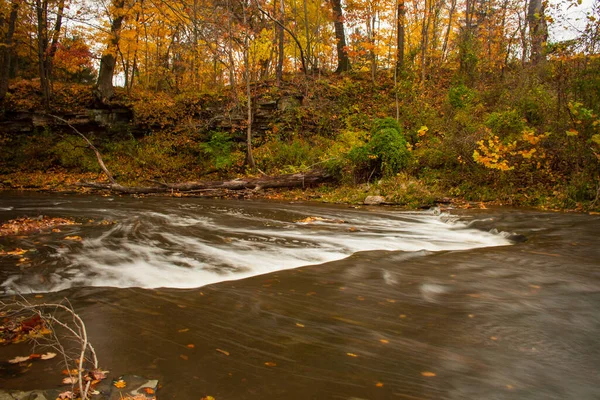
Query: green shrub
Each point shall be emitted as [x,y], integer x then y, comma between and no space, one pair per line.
[506,124]
[461,96]
[385,153]
[219,150]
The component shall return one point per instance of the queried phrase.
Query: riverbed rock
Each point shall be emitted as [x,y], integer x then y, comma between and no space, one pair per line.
[374,200]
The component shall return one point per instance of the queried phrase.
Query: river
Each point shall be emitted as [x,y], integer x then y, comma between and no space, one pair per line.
[252,300]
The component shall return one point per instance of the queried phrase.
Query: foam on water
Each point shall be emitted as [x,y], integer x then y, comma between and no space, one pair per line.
[191,248]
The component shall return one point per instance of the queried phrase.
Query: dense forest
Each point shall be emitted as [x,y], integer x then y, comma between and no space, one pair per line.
[485,100]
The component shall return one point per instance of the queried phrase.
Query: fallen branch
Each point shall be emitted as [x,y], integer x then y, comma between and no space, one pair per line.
[265,182]
[91,146]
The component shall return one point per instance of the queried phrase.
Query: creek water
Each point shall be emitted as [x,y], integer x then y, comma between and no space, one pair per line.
[249,300]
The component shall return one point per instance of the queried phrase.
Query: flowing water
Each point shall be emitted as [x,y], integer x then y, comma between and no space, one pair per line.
[250,300]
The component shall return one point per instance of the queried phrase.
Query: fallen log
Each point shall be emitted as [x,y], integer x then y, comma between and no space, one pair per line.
[298,180]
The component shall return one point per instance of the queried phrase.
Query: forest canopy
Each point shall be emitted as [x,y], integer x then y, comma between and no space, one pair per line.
[485,93]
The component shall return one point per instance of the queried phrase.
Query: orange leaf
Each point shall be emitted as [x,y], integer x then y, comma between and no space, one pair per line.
[270,364]
[120,384]
[351,355]
[428,374]
[223,352]
[190,346]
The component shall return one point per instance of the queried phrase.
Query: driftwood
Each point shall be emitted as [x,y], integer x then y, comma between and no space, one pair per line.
[266,182]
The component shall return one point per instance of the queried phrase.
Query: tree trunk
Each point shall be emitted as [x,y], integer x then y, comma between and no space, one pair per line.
[249,155]
[109,59]
[400,37]
[448,28]
[538,30]
[280,42]
[42,47]
[340,36]
[6,49]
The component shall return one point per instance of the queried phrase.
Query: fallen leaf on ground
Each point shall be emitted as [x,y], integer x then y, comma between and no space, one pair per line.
[65,395]
[148,390]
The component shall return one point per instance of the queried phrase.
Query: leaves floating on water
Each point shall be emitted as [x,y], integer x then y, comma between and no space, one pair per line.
[384,341]
[379,384]
[48,356]
[428,374]
[270,364]
[18,359]
[190,346]
[120,384]
[15,252]
[25,226]
[69,380]
[74,238]
[223,352]
[351,355]
[183,330]
[299,325]
[184,357]
[310,220]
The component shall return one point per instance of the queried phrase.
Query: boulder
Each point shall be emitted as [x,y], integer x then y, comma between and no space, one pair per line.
[374,200]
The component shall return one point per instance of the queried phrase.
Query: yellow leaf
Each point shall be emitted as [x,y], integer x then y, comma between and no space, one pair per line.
[428,374]
[299,325]
[74,238]
[572,132]
[384,341]
[183,330]
[270,364]
[351,355]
